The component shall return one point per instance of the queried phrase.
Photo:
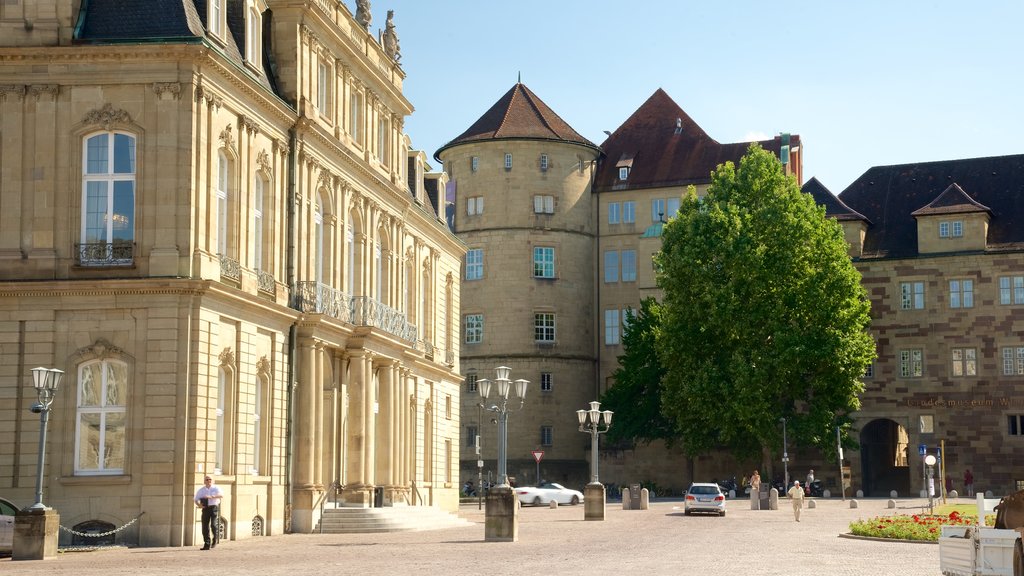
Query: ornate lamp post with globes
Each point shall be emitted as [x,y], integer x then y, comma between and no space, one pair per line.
[593,493]
[35,527]
[501,522]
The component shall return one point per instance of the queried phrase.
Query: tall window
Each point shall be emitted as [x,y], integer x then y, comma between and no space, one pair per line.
[108,206]
[252,36]
[912,295]
[546,382]
[474,163]
[658,213]
[258,190]
[508,161]
[471,434]
[100,417]
[611,327]
[474,329]
[1011,290]
[628,212]
[543,262]
[961,293]
[216,19]
[672,206]
[911,363]
[259,424]
[613,213]
[378,272]
[958,229]
[943,229]
[475,264]
[355,126]
[350,255]
[611,266]
[543,162]
[1013,360]
[547,435]
[471,385]
[322,88]
[1015,424]
[384,140]
[544,327]
[965,361]
[629,265]
[225,203]
[318,240]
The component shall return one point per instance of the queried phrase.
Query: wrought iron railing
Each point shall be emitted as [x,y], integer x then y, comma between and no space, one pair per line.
[314,297]
[229,268]
[265,282]
[105,254]
[369,312]
[428,349]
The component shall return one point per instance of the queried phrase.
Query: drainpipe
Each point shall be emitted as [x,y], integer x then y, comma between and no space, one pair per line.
[290,279]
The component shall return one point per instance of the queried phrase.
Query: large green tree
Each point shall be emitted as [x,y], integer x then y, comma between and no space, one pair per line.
[636,395]
[763,317]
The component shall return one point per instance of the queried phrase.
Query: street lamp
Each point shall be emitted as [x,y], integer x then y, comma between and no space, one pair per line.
[930,461]
[502,516]
[46,382]
[590,421]
[785,454]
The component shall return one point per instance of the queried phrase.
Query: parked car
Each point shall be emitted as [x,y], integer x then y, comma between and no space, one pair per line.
[7,512]
[546,493]
[701,497]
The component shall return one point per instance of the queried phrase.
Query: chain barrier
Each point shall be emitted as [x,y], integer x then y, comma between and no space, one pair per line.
[101,534]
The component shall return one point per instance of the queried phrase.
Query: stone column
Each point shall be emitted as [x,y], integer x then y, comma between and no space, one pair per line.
[354,454]
[305,408]
[369,423]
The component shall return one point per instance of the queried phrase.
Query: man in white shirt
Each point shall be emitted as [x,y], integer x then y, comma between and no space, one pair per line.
[208,498]
[796,496]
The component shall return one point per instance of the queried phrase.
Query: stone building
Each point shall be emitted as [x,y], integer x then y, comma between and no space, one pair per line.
[940,246]
[212,222]
[560,235]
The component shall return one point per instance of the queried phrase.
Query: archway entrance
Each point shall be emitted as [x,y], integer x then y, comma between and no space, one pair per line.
[883,458]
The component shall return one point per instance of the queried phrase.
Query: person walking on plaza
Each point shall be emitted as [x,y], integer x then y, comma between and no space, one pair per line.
[810,480]
[796,496]
[208,498]
[969,483]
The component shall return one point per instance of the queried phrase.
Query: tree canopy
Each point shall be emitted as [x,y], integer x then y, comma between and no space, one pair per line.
[763,316]
[636,396]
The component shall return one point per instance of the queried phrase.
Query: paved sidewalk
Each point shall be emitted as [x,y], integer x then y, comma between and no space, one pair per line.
[551,542]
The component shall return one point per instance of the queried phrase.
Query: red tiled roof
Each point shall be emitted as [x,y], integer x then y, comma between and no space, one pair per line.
[519,114]
[667,148]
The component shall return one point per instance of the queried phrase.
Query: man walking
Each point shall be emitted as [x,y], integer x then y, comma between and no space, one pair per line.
[208,498]
[796,496]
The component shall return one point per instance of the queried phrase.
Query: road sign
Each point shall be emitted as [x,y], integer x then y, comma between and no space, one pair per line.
[922,449]
[479,463]
[538,455]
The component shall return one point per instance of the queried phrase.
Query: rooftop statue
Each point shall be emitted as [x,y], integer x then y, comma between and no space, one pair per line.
[363,13]
[391,46]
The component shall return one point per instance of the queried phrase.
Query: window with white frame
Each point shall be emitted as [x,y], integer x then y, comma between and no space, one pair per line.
[628,212]
[474,205]
[611,327]
[259,424]
[543,162]
[355,117]
[108,199]
[911,363]
[543,262]
[912,295]
[100,419]
[544,327]
[961,293]
[1011,290]
[474,163]
[672,204]
[475,264]
[225,203]
[1013,360]
[658,213]
[611,266]
[623,172]
[965,361]
[508,161]
[384,140]
[474,328]
[259,189]
[943,229]
[215,18]
[546,382]
[253,30]
[958,229]
[321,87]
[1015,424]
[547,435]
[629,265]
[613,213]
[543,204]
[471,385]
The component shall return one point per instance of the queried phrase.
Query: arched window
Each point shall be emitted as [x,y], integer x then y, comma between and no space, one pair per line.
[108,199]
[100,426]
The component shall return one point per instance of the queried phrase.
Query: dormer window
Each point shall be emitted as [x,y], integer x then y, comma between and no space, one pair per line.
[253,32]
[215,18]
[623,173]
[953,229]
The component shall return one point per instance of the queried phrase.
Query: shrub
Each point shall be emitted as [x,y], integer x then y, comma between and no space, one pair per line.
[915,527]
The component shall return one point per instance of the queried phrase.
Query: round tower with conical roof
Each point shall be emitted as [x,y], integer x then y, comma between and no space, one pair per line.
[521,179]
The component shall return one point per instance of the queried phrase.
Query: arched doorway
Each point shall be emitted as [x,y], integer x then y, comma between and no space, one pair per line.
[883,458]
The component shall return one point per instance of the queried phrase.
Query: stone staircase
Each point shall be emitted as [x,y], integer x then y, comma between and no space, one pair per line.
[388,519]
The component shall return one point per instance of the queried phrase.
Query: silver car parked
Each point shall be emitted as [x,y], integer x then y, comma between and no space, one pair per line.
[705,498]
[7,512]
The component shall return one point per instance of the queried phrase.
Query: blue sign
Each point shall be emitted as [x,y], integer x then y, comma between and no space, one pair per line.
[938,454]
[922,449]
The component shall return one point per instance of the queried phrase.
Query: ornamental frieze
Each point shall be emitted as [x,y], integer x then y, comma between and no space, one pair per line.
[107,116]
[171,89]
[37,91]
[15,90]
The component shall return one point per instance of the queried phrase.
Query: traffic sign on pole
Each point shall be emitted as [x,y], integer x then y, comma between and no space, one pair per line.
[538,455]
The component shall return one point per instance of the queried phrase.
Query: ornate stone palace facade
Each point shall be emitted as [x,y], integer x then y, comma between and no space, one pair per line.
[212,221]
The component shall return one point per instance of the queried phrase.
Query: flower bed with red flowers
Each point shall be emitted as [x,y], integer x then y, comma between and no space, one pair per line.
[915,527]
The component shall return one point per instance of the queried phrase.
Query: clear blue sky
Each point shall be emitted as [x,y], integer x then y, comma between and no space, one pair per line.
[864,83]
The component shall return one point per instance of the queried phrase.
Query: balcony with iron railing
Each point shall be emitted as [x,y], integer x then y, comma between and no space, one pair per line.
[230,268]
[105,254]
[318,298]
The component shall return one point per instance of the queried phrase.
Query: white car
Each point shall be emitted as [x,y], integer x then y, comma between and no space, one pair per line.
[548,492]
[7,512]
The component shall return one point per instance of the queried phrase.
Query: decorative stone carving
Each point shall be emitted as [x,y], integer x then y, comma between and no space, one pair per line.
[167,90]
[107,116]
[363,15]
[227,357]
[263,366]
[227,137]
[248,124]
[16,90]
[263,161]
[325,179]
[39,90]
[391,46]
[99,350]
